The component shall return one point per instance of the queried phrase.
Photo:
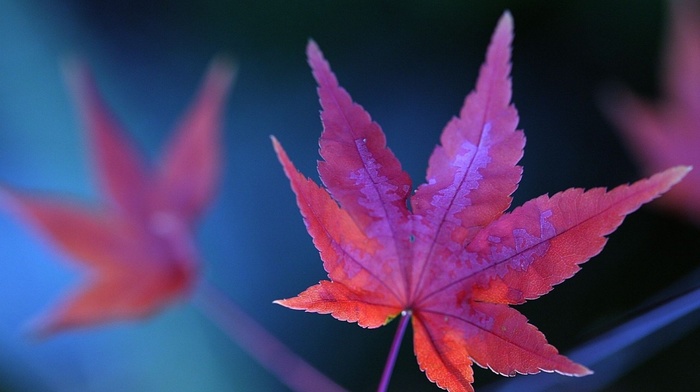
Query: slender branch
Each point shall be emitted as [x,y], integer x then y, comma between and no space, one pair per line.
[394,352]
[271,353]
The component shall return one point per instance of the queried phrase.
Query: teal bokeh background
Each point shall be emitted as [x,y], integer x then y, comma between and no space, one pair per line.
[410,64]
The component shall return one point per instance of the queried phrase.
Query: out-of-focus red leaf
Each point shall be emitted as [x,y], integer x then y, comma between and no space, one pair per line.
[138,246]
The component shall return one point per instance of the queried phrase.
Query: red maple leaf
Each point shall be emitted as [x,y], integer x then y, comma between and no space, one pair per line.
[137,246]
[453,261]
[669,133]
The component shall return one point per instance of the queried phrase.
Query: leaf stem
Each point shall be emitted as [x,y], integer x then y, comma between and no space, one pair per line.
[394,352]
[272,354]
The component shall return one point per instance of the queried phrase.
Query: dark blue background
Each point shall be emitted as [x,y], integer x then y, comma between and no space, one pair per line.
[410,64]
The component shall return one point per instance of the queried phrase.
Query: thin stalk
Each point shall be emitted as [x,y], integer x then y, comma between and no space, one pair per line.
[394,352]
[293,371]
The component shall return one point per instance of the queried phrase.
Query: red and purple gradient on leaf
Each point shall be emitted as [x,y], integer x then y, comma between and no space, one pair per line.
[455,260]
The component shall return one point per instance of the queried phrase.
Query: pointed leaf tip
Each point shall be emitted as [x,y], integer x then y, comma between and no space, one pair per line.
[505,21]
[502,36]
[311,46]
[80,81]
[221,73]
[673,175]
[320,67]
[73,69]
[280,302]
[505,24]
[281,154]
[282,157]
[76,74]
[313,52]
[279,150]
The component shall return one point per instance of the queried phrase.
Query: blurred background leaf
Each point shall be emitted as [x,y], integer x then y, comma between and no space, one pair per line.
[410,64]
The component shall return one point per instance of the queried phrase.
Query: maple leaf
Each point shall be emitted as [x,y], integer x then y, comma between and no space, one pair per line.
[138,245]
[669,133]
[453,261]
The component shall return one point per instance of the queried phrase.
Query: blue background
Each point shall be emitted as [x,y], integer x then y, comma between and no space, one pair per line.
[410,64]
